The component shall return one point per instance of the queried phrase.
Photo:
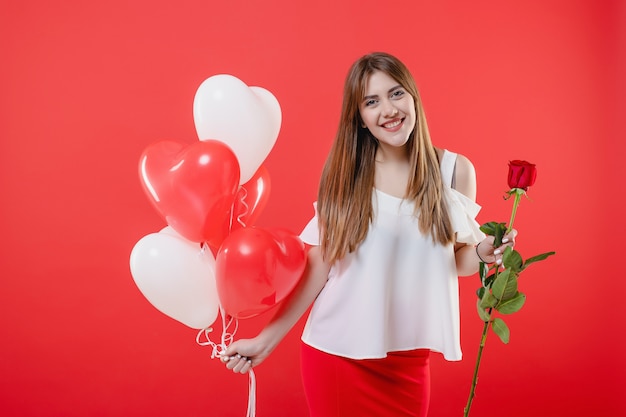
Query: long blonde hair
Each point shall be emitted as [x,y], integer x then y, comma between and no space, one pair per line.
[344,201]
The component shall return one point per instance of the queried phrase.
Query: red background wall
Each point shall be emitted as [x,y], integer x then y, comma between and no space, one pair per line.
[86,86]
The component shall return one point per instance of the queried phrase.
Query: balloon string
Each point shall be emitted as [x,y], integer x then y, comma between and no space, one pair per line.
[226,339]
[244,195]
[218,349]
[251,394]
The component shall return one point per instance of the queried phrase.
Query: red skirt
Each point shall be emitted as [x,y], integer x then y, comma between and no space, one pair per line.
[396,386]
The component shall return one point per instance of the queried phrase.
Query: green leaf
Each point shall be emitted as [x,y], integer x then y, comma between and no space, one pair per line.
[489,228]
[500,232]
[501,329]
[513,305]
[483,270]
[513,191]
[482,313]
[488,300]
[497,230]
[488,281]
[505,286]
[536,258]
[512,259]
[480,292]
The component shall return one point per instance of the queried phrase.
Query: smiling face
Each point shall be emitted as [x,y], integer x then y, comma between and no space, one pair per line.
[387,110]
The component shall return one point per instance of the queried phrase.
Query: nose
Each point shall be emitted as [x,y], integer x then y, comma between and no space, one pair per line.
[390,110]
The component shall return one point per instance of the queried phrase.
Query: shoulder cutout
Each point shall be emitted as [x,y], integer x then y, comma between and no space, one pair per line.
[465,177]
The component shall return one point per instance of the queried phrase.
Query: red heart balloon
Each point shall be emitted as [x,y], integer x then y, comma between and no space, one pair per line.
[192,187]
[255,269]
[251,199]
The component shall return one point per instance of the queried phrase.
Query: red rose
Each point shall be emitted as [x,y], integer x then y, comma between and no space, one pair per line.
[522,174]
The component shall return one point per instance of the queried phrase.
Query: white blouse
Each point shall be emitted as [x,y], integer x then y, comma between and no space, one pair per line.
[399,290]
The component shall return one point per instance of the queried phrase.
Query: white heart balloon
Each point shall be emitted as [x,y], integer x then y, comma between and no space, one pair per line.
[177,277]
[246,118]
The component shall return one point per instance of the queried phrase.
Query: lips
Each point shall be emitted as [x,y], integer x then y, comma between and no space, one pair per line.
[393,124]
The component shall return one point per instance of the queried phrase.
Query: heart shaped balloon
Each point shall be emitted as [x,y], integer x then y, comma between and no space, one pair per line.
[192,187]
[245,118]
[177,277]
[256,268]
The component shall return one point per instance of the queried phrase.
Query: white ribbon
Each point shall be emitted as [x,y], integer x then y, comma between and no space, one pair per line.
[218,349]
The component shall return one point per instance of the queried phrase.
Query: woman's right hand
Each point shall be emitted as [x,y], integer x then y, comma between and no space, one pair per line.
[243,354]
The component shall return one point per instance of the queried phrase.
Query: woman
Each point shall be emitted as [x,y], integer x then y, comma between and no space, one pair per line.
[394,228]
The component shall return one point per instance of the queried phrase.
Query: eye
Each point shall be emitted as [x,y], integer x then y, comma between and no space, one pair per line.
[397,93]
[369,102]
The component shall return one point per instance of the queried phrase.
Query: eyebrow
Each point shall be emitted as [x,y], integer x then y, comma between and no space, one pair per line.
[391,90]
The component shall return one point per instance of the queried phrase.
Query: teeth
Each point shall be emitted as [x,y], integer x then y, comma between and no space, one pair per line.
[393,124]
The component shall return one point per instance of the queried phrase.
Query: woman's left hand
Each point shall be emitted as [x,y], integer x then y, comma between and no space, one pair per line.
[490,254]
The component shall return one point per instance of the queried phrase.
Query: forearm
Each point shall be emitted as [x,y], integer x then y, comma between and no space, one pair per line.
[243,354]
[467,260]
[298,302]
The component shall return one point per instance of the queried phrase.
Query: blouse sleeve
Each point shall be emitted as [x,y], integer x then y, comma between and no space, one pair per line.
[310,234]
[463,212]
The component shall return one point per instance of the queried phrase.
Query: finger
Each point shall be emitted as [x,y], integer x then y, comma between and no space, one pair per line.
[227,358]
[230,350]
[510,237]
[497,255]
[243,365]
[506,242]
[246,367]
[233,361]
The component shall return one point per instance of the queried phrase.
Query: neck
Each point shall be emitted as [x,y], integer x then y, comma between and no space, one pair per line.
[391,154]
